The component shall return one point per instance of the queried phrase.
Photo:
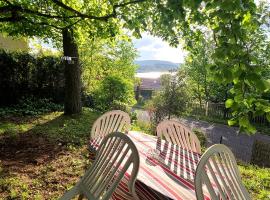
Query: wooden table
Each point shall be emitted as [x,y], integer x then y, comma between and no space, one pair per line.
[170,175]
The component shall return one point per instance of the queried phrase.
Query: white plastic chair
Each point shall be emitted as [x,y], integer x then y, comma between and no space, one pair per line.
[115,120]
[177,133]
[217,175]
[115,156]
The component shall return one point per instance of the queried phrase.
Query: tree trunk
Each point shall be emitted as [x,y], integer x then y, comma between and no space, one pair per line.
[73,102]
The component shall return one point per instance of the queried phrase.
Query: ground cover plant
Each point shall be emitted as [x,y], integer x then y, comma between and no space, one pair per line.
[257,180]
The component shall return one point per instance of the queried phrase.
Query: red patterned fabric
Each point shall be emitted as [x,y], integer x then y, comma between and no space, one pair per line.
[170,176]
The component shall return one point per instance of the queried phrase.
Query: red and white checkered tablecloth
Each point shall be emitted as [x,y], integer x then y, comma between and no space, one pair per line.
[171,176]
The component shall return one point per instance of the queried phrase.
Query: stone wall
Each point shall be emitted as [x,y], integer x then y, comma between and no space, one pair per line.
[261,153]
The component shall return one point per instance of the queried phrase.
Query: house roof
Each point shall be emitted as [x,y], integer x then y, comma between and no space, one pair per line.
[150,84]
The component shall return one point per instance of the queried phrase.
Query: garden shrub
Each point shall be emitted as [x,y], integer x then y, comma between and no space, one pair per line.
[143,126]
[202,138]
[133,116]
[114,93]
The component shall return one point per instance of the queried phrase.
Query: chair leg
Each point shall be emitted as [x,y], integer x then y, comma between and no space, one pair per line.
[80,197]
[71,193]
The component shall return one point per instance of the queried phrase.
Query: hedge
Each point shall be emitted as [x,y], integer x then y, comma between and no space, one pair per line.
[23,75]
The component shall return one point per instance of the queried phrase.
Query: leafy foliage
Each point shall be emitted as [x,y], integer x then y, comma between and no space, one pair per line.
[237,58]
[114,93]
[31,106]
[69,22]
[108,73]
[201,85]
[170,100]
[105,57]
[202,138]
[47,19]
[145,127]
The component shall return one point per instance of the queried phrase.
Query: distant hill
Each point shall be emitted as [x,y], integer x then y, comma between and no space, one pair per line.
[156,66]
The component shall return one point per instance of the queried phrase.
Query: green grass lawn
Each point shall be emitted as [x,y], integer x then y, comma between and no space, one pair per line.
[256,180]
[43,156]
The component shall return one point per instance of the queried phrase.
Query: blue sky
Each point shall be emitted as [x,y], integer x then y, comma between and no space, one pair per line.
[153,48]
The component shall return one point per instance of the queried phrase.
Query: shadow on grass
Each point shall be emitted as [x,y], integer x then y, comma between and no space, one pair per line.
[48,137]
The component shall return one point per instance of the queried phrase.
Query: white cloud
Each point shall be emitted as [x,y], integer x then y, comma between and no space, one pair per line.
[153,48]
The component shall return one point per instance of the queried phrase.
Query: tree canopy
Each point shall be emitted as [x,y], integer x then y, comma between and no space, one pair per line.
[108,73]
[238,33]
[235,57]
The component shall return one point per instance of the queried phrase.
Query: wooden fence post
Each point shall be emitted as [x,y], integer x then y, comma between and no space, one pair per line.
[206,109]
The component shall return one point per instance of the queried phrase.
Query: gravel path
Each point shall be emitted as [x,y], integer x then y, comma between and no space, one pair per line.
[240,144]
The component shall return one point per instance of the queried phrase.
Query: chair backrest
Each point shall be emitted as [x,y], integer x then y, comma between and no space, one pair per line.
[116,154]
[115,120]
[177,133]
[217,175]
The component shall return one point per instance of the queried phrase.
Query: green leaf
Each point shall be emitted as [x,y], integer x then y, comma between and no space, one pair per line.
[228,75]
[247,18]
[229,103]
[260,84]
[245,125]
[267,84]
[251,129]
[268,116]
[232,91]
[231,122]
[238,97]
[267,109]
[243,121]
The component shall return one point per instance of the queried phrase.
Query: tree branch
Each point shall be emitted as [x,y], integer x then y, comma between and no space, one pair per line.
[82,15]
[62,5]
[21,18]
[15,8]
[70,25]
[104,18]
[46,24]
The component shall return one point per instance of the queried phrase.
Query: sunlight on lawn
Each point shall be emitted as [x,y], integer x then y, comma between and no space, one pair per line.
[25,124]
[58,160]
[55,125]
[257,180]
